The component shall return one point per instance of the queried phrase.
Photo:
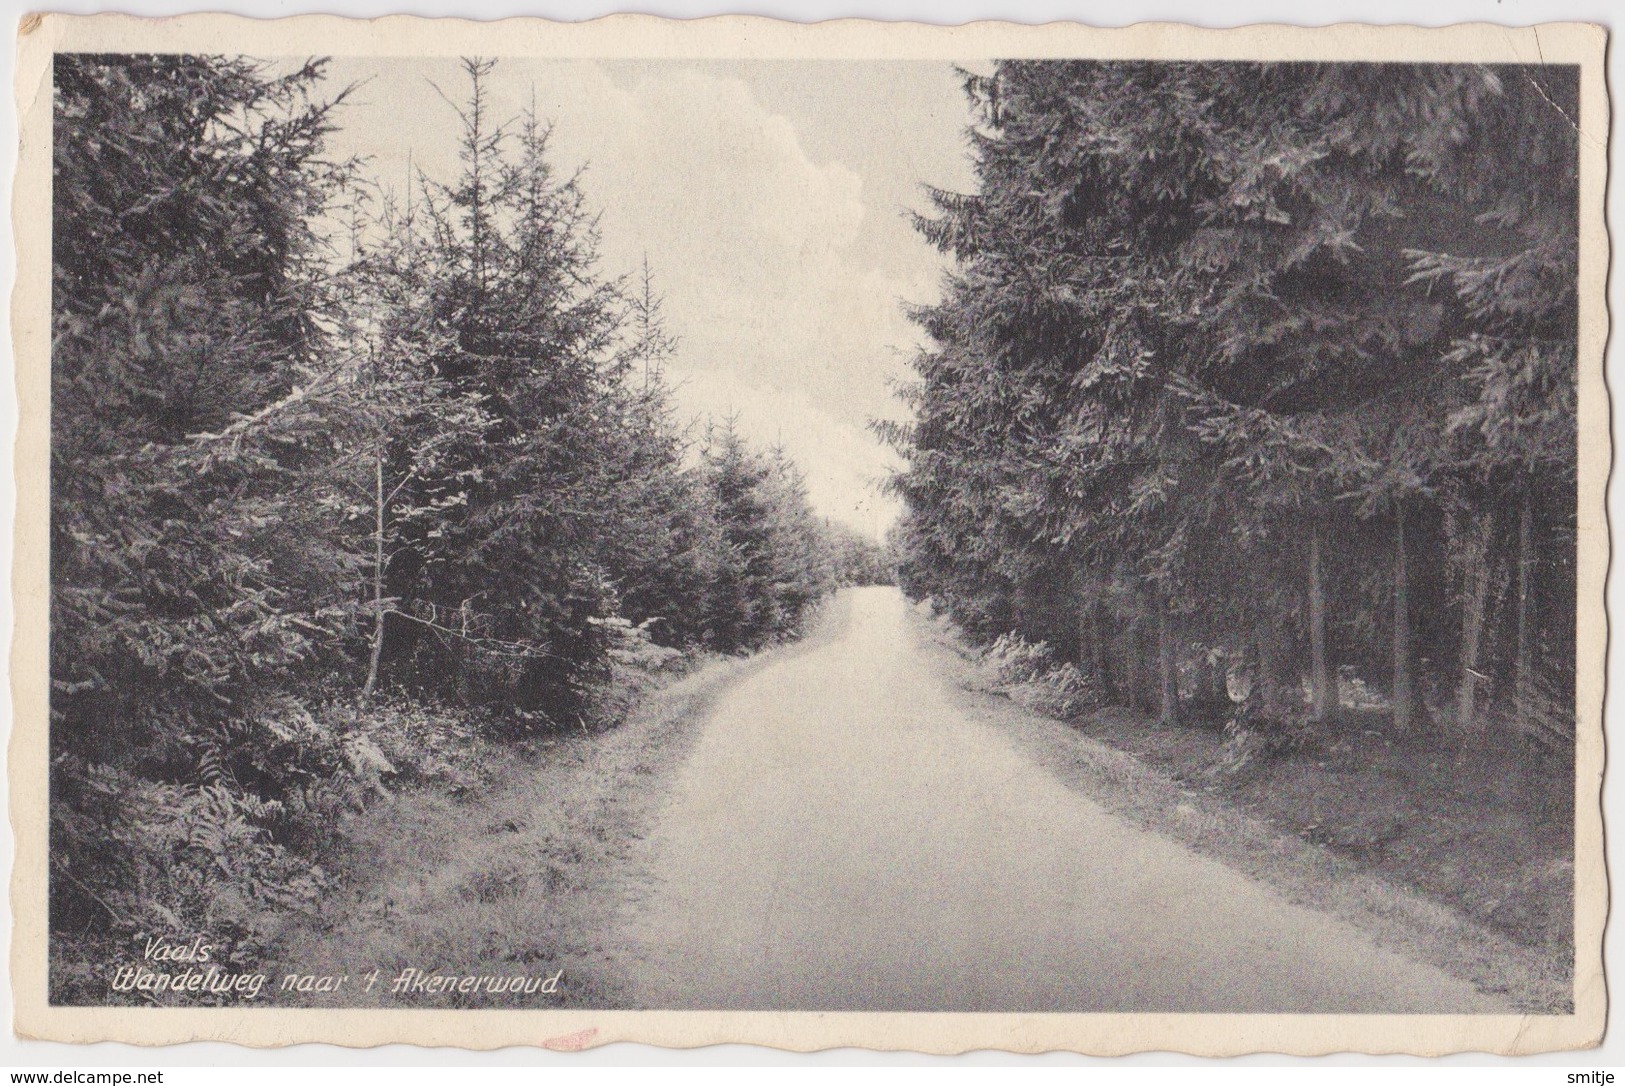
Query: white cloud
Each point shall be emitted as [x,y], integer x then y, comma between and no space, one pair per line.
[843,465]
[751,240]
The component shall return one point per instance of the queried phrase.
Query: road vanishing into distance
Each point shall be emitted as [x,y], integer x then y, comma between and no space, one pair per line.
[845,836]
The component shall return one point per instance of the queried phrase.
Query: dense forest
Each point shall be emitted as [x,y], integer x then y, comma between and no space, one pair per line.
[1252,395]
[340,482]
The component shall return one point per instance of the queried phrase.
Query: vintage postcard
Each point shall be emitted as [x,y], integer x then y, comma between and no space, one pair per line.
[857,534]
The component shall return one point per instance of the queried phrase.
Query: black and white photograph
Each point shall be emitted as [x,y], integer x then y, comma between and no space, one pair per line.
[1038,530]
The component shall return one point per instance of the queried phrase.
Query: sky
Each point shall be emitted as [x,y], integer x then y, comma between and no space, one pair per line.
[770,199]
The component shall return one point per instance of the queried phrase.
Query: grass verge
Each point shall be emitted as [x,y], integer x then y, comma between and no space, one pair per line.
[519,874]
[1418,850]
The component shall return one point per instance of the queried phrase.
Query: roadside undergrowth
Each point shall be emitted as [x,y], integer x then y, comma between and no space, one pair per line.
[1432,853]
[515,877]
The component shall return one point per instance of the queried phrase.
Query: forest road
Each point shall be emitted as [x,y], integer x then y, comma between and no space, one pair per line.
[845,836]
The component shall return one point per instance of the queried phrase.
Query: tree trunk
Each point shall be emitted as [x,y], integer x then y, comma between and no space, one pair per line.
[1218,683]
[1477,577]
[1096,632]
[377,576]
[1525,668]
[1271,694]
[1323,694]
[1135,664]
[1404,699]
[1169,693]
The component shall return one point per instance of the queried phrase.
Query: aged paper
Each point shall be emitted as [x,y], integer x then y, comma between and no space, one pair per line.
[746,927]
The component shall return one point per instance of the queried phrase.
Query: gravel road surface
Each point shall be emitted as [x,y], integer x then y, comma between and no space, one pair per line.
[843,837]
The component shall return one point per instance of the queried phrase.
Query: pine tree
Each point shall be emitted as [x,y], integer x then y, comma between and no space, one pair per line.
[201,573]
[1194,350]
[740,610]
[510,253]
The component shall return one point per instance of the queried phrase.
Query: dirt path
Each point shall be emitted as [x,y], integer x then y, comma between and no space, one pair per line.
[844,837]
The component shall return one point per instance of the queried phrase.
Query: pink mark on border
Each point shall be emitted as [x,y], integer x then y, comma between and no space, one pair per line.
[571,1042]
